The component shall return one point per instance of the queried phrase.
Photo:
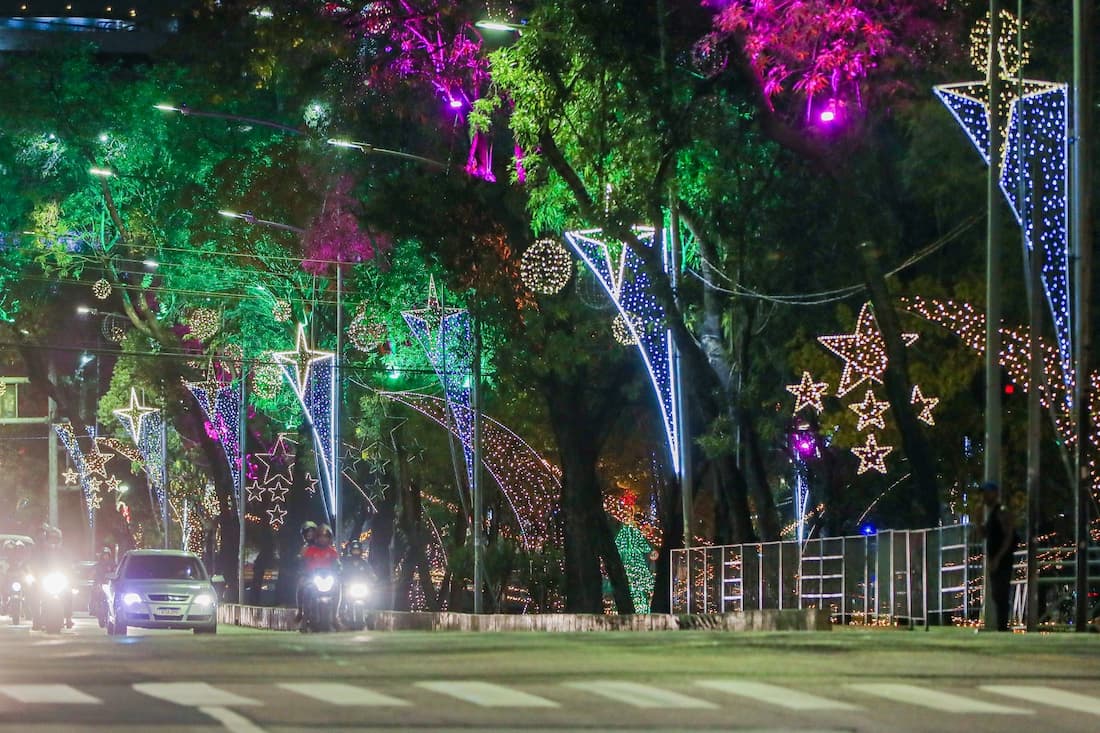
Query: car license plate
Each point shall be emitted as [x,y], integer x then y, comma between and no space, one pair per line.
[169,611]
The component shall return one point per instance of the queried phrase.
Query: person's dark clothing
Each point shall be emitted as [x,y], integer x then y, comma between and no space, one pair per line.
[1000,574]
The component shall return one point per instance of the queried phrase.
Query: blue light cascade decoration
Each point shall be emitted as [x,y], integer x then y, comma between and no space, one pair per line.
[1034,167]
[446,335]
[76,455]
[620,272]
[144,425]
[221,403]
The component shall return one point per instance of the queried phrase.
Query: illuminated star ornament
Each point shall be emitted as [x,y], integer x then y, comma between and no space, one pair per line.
[808,393]
[1033,163]
[71,477]
[871,455]
[133,416]
[276,516]
[926,405]
[869,412]
[302,359]
[863,351]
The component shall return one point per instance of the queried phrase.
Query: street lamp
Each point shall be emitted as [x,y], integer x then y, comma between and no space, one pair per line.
[493,24]
[101,172]
[186,111]
[251,219]
[368,149]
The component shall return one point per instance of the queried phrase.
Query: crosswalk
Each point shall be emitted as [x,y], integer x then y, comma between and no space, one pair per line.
[692,694]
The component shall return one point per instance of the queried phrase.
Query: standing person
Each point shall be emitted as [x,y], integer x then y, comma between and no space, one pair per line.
[1000,541]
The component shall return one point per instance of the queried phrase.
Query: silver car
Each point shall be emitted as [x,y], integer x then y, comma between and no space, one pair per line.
[162,589]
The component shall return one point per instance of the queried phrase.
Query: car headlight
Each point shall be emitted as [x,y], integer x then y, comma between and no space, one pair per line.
[16,587]
[203,599]
[55,583]
[324,583]
[131,599]
[357,590]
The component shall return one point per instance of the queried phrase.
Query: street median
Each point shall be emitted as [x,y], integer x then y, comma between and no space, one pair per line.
[282,619]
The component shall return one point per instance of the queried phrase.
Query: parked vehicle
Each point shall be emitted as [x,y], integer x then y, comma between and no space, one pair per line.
[162,589]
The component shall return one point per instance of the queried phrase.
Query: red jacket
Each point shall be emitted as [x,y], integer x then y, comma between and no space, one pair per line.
[316,558]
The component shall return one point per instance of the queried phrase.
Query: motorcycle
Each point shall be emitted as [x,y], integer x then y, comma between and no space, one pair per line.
[54,595]
[14,605]
[320,600]
[353,608]
[97,604]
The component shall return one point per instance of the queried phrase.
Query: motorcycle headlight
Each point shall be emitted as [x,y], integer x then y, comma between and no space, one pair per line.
[357,590]
[29,579]
[16,587]
[204,599]
[55,583]
[323,583]
[131,599]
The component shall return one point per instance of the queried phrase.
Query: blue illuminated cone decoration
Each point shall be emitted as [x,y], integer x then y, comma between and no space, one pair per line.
[620,272]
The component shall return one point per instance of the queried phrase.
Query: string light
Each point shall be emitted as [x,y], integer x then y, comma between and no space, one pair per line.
[622,275]
[1009,60]
[145,426]
[623,332]
[863,351]
[926,405]
[203,323]
[267,380]
[872,456]
[281,311]
[365,334]
[869,412]
[634,551]
[276,515]
[220,404]
[808,393]
[70,477]
[101,289]
[546,267]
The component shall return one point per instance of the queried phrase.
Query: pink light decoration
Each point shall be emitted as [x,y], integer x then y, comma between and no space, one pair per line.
[334,235]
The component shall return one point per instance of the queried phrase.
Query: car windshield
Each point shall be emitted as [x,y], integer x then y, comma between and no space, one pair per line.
[163,567]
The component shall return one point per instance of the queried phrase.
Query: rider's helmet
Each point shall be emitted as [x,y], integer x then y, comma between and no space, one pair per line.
[324,531]
[53,536]
[355,548]
[308,530]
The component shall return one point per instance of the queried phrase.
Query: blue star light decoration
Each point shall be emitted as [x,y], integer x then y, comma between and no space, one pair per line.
[311,372]
[144,425]
[1033,170]
[446,335]
[221,404]
[620,272]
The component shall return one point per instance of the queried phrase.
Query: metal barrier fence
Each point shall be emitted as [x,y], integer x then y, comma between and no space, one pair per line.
[894,576]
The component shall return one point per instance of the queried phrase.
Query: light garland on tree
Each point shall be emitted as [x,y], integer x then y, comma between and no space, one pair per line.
[871,455]
[634,551]
[1033,165]
[926,405]
[869,412]
[203,323]
[619,270]
[546,267]
[863,351]
[808,393]
[101,289]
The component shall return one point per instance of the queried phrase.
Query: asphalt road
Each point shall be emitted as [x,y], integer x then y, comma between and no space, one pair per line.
[247,681]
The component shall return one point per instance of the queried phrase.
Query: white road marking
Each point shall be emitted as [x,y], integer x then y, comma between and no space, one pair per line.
[338,693]
[50,694]
[233,721]
[1049,696]
[784,697]
[935,699]
[192,694]
[641,696]
[488,695]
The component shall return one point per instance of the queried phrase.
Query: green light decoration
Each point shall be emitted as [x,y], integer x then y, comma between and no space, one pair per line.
[634,549]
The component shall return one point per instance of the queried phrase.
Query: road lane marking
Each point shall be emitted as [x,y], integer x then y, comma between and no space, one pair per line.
[935,699]
[775,695]
[487,695]
[1049,696]
[231,720]
[49,694]
[192,694]
[641,696]
[338,693]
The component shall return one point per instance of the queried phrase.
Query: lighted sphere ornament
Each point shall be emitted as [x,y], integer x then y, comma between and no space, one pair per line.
[546,267]
[623,332]
[364,334]
[281,311]
[267,380]
[101,289]
[204,323]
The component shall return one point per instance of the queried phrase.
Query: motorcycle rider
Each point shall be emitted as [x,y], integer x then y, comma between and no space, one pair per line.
[16,570]
[105,565]
[321,555]
[309,539]
[52,558]
[354,564]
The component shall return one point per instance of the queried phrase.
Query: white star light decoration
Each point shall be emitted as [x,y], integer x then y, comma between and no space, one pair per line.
[863,351]
[302,359]
[808,393]
[871,455]
[869,412]
[926,405]
[133,415]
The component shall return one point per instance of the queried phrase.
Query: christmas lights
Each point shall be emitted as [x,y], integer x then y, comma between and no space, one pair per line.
[221,403]
[623,328]
[620,272]
[926,405]
[145,426]
[634,551]
[871,455]
[546,267]
[863,351]
[101,289]
[281,311]
[526,479]
[267,379]
[365,334]
[1033,166]
[869,412]
[203,323]
[808,393]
